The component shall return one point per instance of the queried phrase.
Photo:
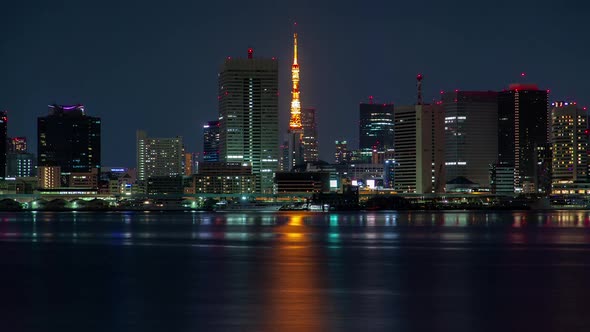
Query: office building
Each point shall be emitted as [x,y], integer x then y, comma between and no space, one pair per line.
[69,138]
[20,164]
[375,129]
[569,139]
[49,177]
[310,135]
[523,130]
[502,179]
[3,142]
[225,178]
[418,163]
[471,135]
[211,141]
[158,156]
[249,116]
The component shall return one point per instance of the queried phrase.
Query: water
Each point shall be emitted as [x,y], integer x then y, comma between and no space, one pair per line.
[410,271]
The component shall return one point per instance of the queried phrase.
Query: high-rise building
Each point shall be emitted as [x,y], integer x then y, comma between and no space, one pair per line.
[418,165]
[49,177]
[3,142]
[284,157]
[69,138]
[310,135]
[249,116]
[376,128]
[158,156]
[471,135]
[522,131]
[569,139]
[342,154]
[17,144]
[296,130]
[211,141]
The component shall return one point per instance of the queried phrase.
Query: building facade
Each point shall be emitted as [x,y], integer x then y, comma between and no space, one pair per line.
[158,156]
[310,135]
[20,164]
[69,138]
[375,128]
[3,142]
[249,116]
[211,142]
[49,177]
[225,178]
[471,135]
[418,163]
[569,139]
[523,130]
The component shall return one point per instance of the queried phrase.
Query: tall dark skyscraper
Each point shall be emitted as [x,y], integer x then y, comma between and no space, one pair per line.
[3,142]
[522,131]
[310,135]
[69,138]
[471,135]
[376,128]
[249,116]
[211,141]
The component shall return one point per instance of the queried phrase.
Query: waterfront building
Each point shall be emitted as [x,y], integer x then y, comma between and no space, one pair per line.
[419,149]
[20,164]
[569,138]
[165,185]
[376,128]
[523,130]
[502,179]
[3,143]
[225,178]
[67,137]
[249,116]
[158,156]
[302,182]
[84,179]
[211,141]
[49,177]
[471,135]
[310,135]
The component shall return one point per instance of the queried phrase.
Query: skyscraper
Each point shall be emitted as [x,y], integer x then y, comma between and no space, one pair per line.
[375,129]
[310,135]
[419,149]
[211,141]
[249,116]
[3,142]
[296,130]
[523,130]
[69,138]
[158,157]
[471,135]
[569,139]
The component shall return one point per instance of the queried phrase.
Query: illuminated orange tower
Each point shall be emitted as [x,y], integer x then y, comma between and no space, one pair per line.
[295,126]
[295,120]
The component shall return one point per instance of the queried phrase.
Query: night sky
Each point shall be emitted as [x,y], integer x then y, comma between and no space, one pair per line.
[153,64]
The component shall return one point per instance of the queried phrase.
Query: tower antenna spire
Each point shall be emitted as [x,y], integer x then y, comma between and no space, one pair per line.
[419,87]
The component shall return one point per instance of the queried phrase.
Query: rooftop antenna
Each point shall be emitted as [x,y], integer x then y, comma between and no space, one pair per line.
[419,87]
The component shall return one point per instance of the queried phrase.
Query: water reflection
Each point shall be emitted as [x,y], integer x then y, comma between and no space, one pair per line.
[294,296]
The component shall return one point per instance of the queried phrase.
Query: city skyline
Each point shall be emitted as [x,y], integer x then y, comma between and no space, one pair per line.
[112,84]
